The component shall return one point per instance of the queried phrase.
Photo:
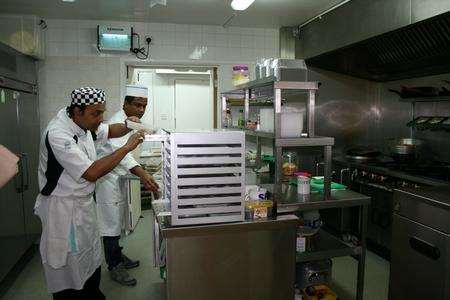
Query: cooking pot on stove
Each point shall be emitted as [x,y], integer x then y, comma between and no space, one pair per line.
[405,149]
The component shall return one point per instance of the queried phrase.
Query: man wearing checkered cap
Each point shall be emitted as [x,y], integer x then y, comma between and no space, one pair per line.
[70,244]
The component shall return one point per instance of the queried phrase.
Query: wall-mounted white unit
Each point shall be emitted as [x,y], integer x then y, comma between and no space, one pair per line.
[114,38]
[204,176]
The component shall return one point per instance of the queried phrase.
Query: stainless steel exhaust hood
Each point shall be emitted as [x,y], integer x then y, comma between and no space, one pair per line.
[416,50]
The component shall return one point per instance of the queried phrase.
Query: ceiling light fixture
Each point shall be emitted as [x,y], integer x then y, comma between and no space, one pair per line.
[241,4]
[69,1]
[157,2]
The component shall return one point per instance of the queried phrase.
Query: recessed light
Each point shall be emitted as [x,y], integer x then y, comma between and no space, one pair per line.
[241,4]
[69,1]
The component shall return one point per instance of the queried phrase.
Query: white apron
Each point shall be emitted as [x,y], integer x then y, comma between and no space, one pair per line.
[111,205]
[111,201]
[70,242]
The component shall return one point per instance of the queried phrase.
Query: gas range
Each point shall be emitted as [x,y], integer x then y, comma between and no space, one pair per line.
[381,181]
[392,175]
[378,179]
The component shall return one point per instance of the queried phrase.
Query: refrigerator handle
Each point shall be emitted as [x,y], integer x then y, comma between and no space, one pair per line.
[427,249]
[26,175]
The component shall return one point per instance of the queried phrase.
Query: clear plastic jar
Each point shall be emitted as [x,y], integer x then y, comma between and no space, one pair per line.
[290,164]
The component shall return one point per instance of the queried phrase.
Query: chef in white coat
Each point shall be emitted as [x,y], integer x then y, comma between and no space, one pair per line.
[70,244]
[111,201]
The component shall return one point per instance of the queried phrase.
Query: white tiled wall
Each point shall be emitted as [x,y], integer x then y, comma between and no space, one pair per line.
[72,59]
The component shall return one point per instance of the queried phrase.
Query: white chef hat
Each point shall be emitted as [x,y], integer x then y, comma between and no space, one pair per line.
[137,91]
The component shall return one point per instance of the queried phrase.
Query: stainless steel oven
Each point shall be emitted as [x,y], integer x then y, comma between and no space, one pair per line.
[379,184]
[420,261]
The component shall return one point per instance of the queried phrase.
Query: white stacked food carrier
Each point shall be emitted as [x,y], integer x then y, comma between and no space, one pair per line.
[204,176]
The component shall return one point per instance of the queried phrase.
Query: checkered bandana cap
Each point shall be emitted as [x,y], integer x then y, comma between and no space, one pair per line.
[87,96]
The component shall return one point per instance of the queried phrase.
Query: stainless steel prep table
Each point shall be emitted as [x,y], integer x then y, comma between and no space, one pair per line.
[328,245]
[251,260]
[244,260]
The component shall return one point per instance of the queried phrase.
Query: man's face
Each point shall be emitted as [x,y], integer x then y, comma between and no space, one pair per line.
[136,108]
[91,117]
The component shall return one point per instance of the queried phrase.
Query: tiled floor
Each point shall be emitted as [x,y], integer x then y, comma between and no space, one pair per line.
[31,284]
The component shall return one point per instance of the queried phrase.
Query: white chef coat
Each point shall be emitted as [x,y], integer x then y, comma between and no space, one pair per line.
[110,195]
[70,242]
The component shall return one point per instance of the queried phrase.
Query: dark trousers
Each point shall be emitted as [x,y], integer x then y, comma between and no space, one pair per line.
[113,251]
[90,290]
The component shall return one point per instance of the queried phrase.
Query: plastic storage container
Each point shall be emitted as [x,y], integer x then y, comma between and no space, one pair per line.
[266,118]
[291,123]
[303,185]
[240,74]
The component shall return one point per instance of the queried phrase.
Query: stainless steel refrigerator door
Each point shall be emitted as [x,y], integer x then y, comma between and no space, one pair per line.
[29,135]
[419,263]
[12,229]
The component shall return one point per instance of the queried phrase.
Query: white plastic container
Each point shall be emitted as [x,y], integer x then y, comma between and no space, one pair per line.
[291,123]
[303,185]
[266,117]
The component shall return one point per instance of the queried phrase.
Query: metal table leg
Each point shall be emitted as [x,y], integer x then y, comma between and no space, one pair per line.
[363,212]
[327,172]
[258,152]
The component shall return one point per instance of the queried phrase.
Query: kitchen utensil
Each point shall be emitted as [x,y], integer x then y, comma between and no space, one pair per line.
[434,123]
[420,91]
[444,92]
[404,150]
[362,154]
[445,124]
[419,122]
[313,272]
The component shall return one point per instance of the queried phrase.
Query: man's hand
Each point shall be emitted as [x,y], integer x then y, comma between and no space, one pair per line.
[134,140]
[146,179]
[149,183]
[120,129]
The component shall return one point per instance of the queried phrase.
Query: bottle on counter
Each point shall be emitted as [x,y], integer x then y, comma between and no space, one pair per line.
[228,119]
[241,121]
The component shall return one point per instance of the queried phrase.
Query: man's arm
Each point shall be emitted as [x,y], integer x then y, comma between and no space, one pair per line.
[106,164]
[146,178]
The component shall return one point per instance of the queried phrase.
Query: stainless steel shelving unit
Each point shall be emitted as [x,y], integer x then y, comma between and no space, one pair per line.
[274,89]
[326,245]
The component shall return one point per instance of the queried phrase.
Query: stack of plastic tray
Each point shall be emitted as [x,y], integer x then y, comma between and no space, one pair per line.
[204,176]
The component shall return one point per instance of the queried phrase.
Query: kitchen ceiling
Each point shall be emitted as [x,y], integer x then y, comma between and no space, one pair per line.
[263,13]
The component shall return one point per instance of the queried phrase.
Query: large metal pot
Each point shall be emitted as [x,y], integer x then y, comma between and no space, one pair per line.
[404,150]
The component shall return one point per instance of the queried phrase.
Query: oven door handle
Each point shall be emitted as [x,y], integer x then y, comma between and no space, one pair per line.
[424,248]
